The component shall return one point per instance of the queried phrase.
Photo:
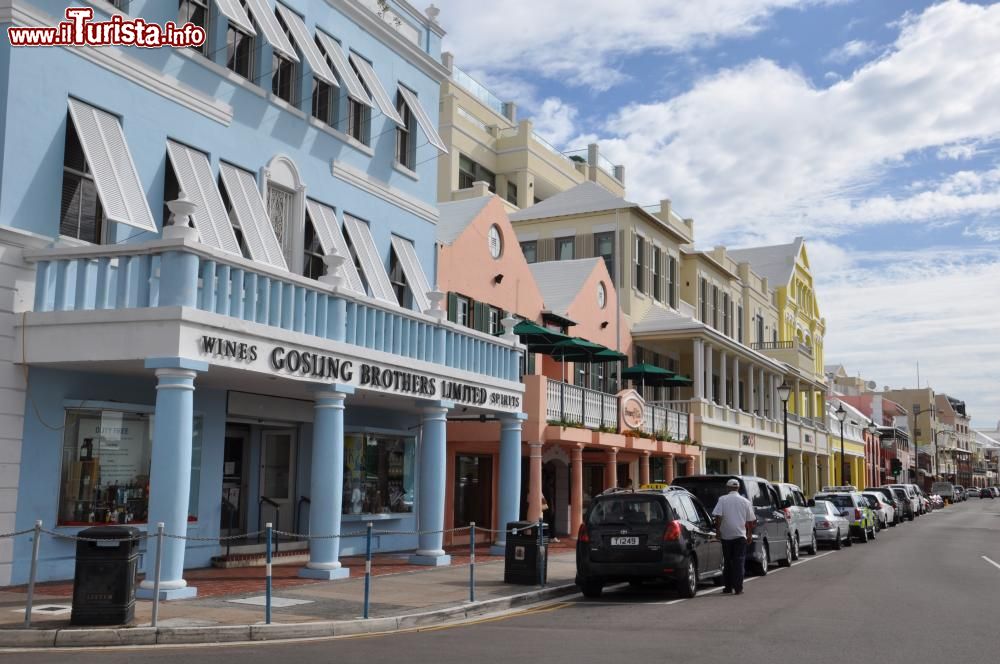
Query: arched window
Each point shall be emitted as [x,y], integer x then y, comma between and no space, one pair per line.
[285,198]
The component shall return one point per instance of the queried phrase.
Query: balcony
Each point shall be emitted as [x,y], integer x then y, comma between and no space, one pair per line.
[792,353]
[166,275]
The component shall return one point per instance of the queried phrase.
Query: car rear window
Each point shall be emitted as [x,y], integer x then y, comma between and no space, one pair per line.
[819,508]
[840,500]
[627,510]
[706,490]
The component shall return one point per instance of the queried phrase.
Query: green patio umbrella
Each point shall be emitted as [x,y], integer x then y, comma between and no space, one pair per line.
[650,373]
[538,339]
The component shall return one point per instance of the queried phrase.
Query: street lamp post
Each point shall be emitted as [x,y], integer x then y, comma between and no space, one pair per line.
[841,416]
[873,430]
[784,391]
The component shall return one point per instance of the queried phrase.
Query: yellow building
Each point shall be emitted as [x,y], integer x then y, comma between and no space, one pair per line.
[487,143]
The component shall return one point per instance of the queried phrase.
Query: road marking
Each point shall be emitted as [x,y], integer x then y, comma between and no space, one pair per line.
[991,562]
[805,560]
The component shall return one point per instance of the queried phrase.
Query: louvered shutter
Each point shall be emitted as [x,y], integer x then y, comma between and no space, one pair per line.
[415,277]
[251,213]
[194,176]
[300,33]
[233,10]
[423,119]
[115,178]
[452,307]
[546,249]
[269,25]
[371,263]
[324,221]
[378,93]
[336,55]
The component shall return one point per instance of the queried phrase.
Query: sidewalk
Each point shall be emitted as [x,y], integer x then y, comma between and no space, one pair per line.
[235,597]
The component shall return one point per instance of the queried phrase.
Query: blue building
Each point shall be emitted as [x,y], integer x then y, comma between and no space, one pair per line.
[217,311]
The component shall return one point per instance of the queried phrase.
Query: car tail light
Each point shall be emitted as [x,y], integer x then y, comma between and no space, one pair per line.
[788,514]
[583,535]
[857,514]
[673,532]
[824,524]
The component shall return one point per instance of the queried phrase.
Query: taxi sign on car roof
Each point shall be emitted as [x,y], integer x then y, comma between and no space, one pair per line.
[655,486]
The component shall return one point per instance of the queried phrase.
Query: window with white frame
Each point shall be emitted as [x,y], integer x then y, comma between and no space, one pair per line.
[80,215]
[188,11]
[565,248]
[280,210]
[639,262]
[406,151]
[726,315]
[604,246]
[240,51]
[397,277]
[284,71]
[462,306]
[313,265]
[715,307]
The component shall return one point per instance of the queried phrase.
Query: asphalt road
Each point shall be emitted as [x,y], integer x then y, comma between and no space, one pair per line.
[922,592]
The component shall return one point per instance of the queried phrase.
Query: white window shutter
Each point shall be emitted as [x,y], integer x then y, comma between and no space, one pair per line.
[371,263]
[424,120]
[336,54]
[379,95]
[324,220]
[250,211]
[233,10]
[269,25]
[194,176]
[415,277]
[115,177]
[300,33]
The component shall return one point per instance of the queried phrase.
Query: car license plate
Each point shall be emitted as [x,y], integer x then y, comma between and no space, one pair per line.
[624,541]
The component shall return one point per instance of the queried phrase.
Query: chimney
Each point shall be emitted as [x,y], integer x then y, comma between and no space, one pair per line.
[665,209]
[480,189]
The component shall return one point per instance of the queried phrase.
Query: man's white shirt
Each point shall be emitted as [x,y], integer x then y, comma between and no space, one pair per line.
[735,511]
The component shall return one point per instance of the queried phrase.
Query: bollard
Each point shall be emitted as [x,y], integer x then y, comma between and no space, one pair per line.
[156,573]
[368,566]
[539,560]
[472,561]
[33,574]
[267,592]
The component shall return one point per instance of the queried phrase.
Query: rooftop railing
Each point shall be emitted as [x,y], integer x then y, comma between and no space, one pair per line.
[477,89]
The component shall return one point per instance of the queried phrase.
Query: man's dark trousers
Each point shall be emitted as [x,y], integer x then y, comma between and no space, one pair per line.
[734,552]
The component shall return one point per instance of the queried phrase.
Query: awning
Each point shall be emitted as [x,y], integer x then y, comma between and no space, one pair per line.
[194,176]
[415,277]
[233,10]
[371,263]
[269,25]
[355,90]
[324,221]
[378,93]
[307,45]
[118,185]
[424,120]
[251,214]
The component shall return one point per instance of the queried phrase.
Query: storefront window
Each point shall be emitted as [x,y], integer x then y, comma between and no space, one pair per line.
[105,467]
[378,474]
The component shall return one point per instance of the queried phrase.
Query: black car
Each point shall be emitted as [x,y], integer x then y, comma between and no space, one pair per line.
[986,492]
[651,533]
[772,542]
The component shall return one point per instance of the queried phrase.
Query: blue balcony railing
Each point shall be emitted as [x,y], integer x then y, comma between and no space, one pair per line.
[154,274]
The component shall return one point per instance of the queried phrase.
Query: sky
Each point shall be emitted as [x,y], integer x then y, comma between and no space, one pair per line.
[870,127]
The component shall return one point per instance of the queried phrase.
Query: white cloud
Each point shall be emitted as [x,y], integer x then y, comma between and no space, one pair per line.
[759,149]
[886,311]
[580,42]
[554,121]
[852,50]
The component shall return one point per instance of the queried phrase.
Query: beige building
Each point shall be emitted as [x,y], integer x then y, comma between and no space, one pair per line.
[696,313]
[487,143]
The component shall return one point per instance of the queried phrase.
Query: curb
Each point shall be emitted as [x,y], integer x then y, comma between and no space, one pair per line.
[148,636]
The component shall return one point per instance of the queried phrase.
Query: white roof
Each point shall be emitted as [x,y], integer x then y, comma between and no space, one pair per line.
[560,281]
[661,319]
[456,216]
[581,199]
[775,262]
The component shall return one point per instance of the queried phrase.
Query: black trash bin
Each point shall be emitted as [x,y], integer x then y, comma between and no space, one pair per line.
[104,581]
[524,559]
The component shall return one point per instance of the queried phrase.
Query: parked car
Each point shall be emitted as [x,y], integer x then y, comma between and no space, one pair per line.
[961,495]
[996,491]
[972,492]
[647,534]
[936,501]
[831,527]
[800,518]
[854,507]
[986,492]
[944,489]
[901,495]
[884,510]
[771,540]
[912,496]
[899,502]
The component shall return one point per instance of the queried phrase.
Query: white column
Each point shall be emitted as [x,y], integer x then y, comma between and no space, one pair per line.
[751,395]
[698,369]
[763,396]
[736,383]
[799,410]
[723,377]
[739,463]
[709,373]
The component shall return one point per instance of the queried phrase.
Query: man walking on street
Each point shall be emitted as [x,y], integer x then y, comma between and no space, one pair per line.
[735,520]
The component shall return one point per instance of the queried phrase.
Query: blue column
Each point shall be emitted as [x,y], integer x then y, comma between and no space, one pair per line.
[170,470]
[430,499]
[326,487]
[509,491]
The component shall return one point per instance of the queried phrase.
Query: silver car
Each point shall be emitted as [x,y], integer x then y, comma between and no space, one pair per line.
[885,512]
[830,527]
[799,517]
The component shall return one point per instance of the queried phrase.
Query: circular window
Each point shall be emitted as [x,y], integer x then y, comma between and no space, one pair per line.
[602,294]
[495,241]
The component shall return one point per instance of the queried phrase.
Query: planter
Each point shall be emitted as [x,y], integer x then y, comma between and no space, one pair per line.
[567,434]
[608,439]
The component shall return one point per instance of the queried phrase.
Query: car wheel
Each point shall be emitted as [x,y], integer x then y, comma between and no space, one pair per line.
[864,535]
[849,540]
[760,568]
[787,560]
[874,531]
[795,547]
[813,545]
[688,586]
[838,543]
[591,588]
